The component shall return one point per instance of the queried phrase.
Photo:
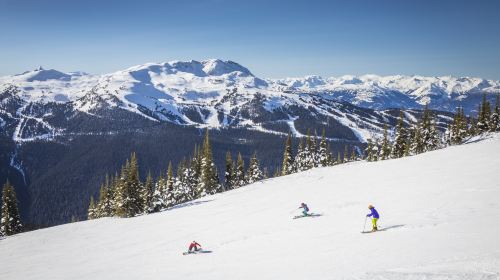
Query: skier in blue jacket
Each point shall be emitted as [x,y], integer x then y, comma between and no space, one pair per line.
[305,209]
[375,216]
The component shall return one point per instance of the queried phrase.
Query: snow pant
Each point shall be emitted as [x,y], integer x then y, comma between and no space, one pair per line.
[374,223]
[192,246]
[305,213]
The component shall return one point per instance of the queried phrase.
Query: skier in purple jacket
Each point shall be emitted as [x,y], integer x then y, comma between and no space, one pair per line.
[375,216]
[305,209]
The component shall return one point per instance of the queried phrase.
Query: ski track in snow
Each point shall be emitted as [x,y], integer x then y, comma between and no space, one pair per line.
[439,211]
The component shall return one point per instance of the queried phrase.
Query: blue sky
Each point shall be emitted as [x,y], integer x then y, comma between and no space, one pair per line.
[272,38]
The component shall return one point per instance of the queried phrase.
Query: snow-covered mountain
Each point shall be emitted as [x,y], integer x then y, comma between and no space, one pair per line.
[216,93]
[439,213]
[377,92]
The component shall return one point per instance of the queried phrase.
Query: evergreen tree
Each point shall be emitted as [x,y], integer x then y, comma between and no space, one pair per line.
[400,138]
[10,220]
[147,195]
[375,151]
[254,173]
[473,130]
[346,154]
[418,144]
[353,154]
[428,131]
[313,150]
[483,118]
[230,174]
[339,159]
[208,178]
[288,166]
[91,213]
[323,153]
[385,150]
[182,191]
[195,170]
[457,130]
[104,208]
[160,190]
[494,124]
[129,191]
[240,172]
[301,159]
[369,151]
[308,156]
[169,197]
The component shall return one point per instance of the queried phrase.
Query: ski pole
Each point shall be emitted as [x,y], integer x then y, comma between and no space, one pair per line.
[364,226]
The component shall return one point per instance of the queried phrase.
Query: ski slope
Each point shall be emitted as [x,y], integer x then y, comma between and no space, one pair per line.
[441,212]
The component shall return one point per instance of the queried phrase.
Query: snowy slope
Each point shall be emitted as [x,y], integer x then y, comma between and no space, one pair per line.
[440,210]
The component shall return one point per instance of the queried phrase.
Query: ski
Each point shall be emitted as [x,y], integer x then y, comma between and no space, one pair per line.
[196,252]
[305,216]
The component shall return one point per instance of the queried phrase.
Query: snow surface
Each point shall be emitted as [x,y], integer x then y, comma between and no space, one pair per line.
[440,211]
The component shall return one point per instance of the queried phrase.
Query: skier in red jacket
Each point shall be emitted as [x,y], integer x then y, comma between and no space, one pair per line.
[194,246]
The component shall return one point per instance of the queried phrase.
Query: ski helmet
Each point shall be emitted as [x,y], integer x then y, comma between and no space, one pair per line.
[370,206]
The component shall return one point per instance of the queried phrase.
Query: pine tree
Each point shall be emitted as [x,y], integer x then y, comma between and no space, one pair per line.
[181,189]
[147,195]
[229,175]
[385,151]
[129,190]
[301,159]
[400,138]
[457,130]
[313,149]
[473,130]
[208,178]
[159,193]
[254,173]
[189,184]
[346,154]
[428,131]
[91,213]
[195,168]
[375,151]
[323,153]
[353,154]
[169,197]
[369,151]
[104,208]
[288,166]
[10,220]
[483,118]
[494,124]
[113,194]
[418,144]
[240,172]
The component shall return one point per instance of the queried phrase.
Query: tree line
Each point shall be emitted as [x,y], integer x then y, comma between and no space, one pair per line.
[124,195]
[423,135]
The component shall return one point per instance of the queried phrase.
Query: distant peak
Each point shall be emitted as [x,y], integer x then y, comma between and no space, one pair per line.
[40,68]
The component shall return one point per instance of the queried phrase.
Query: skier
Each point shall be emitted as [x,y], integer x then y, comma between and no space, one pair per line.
[375,216]
[305,209]
[194,246]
